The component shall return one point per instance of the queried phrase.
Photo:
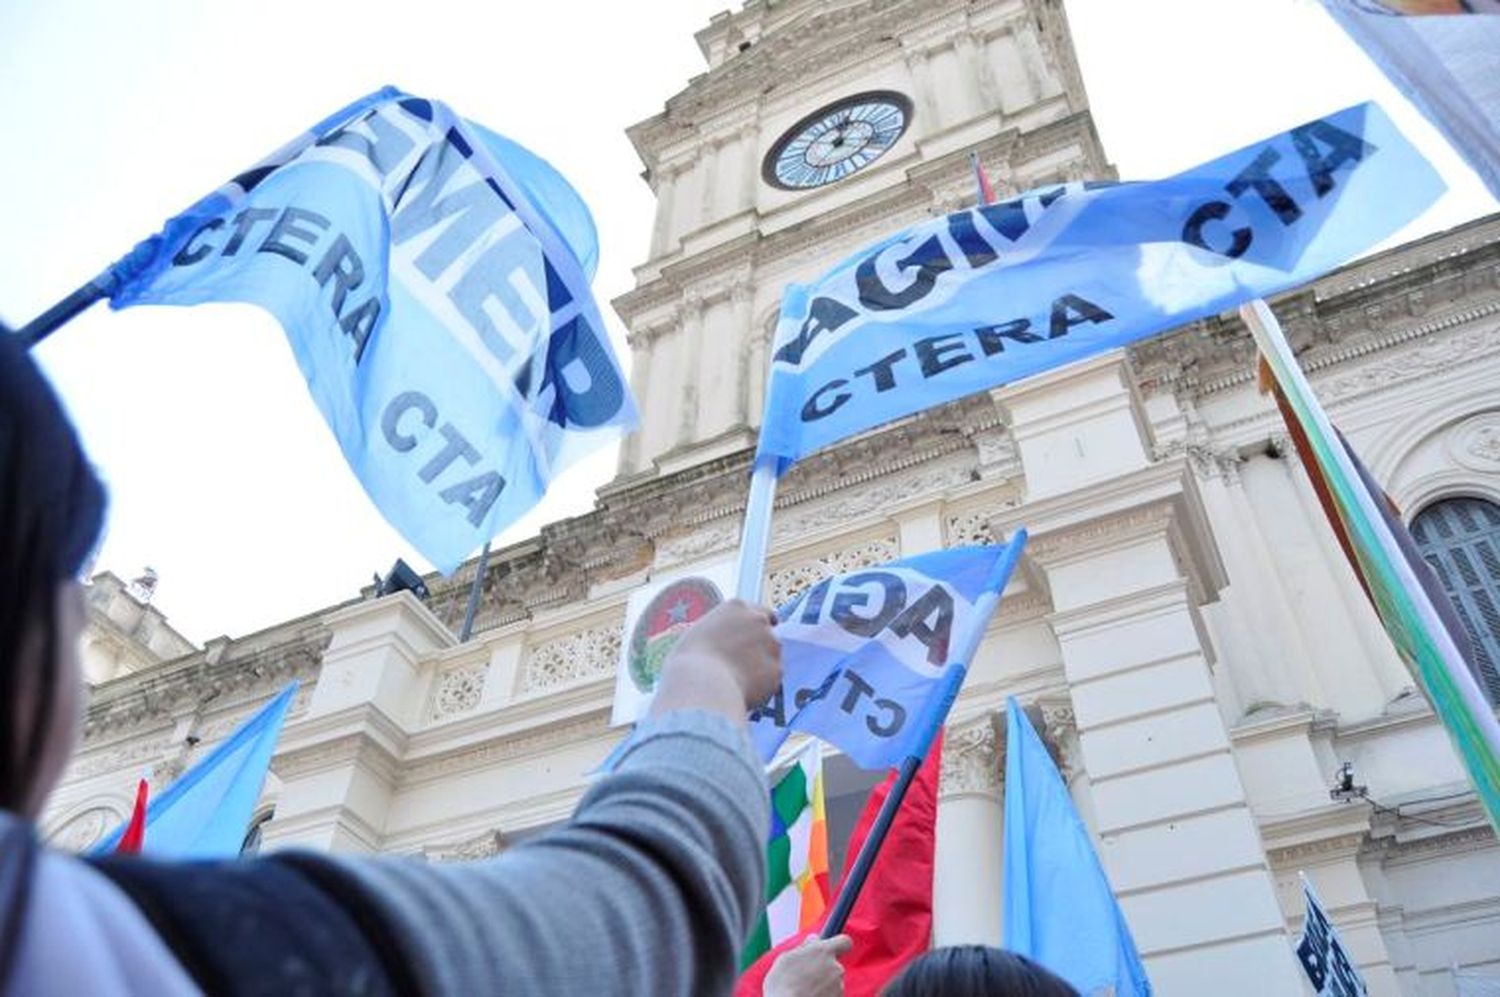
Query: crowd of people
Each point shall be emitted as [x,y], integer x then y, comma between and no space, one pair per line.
[651,888]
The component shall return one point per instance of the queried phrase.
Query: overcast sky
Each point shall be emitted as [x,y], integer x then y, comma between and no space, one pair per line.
[222,475]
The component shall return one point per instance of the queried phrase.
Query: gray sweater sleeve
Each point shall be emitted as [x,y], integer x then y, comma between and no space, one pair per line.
[651,887]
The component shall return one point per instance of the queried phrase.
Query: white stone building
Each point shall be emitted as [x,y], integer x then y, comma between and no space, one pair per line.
[1195,645]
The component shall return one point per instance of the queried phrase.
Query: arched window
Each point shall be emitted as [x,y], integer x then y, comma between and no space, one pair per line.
[1460,537]
[251,845]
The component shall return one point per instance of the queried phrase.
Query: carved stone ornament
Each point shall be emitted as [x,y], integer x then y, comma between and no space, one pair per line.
[1059,730]
[718,535]
[572,658]
[1475,443]
[481,846]
[456,691]
[971,526]
[973,756]
[1440,354]
[845,504]
[113,758]
[787,582]
[84,830]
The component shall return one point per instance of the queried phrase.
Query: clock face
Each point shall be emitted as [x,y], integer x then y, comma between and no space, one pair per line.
[841,139]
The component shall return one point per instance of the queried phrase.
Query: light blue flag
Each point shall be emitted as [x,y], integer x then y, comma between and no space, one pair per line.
[864,654]
[986,296]
[432,278]
[206,812]
[1059,910]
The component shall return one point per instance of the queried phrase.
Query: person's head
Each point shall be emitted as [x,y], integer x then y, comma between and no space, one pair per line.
[975,971]
[51,513]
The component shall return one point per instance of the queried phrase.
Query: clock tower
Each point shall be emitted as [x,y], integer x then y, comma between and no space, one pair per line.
[820,127]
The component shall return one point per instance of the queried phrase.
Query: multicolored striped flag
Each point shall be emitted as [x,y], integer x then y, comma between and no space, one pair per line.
[797,857]
[1409,601]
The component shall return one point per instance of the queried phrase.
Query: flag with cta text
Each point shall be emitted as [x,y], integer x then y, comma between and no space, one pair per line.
[864,653]
[797,855]
[1321,952]
[986,296]
[1444,64]
[432,278]
[206,813]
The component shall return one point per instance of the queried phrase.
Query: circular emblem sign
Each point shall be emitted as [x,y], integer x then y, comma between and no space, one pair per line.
[662,625]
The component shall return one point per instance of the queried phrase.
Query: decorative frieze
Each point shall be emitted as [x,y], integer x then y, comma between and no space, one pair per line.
[485,845]
[572,658]
[849,504]
[787,582]
[456,691]
[1417,362]
[114,758]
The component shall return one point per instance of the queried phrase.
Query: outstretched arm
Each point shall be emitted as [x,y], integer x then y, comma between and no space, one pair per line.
[653,885]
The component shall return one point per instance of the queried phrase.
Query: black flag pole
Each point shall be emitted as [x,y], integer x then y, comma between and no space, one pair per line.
[473,607]
[66,310]
[853,883]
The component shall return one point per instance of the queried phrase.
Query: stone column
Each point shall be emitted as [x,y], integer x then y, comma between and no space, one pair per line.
[1273,641]
[1126,552]
[739,337]
[1386,669]
[640,384]
[662,236]
[709,158]
[338,765]
[971,50]
[928,119]
[692,347]
[749,165]
[966,881]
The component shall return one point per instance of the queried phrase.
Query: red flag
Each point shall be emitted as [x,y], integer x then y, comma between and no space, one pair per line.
[135,832]
[891,923]
[981,181]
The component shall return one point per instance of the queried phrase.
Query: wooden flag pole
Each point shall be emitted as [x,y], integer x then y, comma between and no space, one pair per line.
[66,310]
[928,724]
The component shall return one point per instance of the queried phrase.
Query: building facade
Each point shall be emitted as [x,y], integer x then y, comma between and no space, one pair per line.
[1184,626]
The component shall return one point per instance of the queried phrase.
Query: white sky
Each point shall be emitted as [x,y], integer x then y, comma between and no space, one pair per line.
[114,116]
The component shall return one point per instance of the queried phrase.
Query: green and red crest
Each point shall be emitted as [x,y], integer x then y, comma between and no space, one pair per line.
[667,617]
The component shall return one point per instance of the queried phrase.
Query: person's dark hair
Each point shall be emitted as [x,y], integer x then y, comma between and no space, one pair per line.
[51,513]
[975,971]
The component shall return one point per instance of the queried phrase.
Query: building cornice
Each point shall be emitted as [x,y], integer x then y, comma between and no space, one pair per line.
[1447,281]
